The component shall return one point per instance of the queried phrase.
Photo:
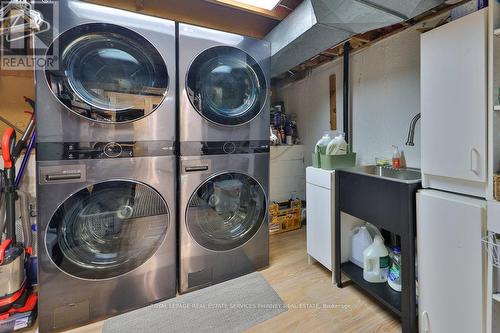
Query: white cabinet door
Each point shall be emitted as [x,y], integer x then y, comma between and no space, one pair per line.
[450,269]
[454,99]
[319,224]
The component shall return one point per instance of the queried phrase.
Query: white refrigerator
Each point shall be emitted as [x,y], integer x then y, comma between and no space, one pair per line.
[451,209]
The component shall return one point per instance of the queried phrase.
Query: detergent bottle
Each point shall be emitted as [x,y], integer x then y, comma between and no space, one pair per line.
[360,240]
[376,261]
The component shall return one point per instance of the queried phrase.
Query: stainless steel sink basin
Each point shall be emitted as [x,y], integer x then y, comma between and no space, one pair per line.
[404,175]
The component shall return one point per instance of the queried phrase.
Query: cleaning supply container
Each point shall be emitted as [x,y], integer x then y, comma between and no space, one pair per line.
[376,262]
[394,277]
[360,241]
[320,148]
[396,157]
[337,146]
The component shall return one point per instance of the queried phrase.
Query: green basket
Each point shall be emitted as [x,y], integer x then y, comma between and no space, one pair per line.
[332,162]
[316,160]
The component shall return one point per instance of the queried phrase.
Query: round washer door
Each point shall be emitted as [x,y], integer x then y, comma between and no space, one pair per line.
[226,211]
[107,73]
[107,229]
[226,86]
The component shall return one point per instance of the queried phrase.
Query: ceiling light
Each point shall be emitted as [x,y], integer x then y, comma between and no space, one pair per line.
[264,4]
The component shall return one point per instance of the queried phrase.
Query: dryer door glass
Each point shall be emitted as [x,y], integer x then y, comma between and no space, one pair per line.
[226,211]
[226,86]
[107,229]
[107,73]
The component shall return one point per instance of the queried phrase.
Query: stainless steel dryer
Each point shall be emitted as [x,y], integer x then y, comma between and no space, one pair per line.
[223,217]
[106,231]
[114,79]
[224,85]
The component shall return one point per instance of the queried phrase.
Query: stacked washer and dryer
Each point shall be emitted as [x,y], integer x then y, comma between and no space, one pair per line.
[106,166]
[224,156]
[108,119]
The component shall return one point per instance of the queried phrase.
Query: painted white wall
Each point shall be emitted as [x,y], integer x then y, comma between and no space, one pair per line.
[385,95]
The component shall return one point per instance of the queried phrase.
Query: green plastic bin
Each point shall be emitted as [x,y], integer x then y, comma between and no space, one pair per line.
[316,160]
[332,162]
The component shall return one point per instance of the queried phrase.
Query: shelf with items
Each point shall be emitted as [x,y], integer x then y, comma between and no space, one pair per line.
[493,96]
[493,210]
[380,291]
[378,198]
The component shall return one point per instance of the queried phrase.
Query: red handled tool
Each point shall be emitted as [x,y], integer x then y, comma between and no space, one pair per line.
[15,296]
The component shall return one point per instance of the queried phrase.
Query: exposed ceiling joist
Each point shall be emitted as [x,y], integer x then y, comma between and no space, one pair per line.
[364,40]
[139,5]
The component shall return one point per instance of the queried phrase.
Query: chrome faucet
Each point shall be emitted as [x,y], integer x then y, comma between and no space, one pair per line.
[411,130]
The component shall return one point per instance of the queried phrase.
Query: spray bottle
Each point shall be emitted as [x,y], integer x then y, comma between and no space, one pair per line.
[396,158]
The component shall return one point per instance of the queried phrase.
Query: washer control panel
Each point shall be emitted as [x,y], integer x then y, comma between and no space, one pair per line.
[102,150]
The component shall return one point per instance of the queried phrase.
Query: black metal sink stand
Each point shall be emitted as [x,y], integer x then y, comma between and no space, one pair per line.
[389,205]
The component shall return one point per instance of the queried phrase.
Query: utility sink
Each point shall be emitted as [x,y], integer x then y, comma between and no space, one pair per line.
[385,197]
[403,175]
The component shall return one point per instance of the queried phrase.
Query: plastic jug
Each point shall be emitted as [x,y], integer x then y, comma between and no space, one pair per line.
[373,230]
[360,240]
[337,146]
[376,262]
[323,142]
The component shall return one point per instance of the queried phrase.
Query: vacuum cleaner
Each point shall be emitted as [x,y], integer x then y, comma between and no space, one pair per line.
[17,299]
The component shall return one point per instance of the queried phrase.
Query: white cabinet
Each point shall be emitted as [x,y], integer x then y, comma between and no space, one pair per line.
[450,262]
[454,105]
[320,198]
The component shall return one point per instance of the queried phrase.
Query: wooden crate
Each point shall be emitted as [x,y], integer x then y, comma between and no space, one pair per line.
[285,216]
[496,187]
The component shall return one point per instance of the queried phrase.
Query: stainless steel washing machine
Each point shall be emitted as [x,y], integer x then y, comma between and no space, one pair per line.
[224,87]
[223,216]
[106,231]
[113,77]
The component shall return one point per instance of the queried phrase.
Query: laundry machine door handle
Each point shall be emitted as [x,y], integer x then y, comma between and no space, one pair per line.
[63,176]
[196,168]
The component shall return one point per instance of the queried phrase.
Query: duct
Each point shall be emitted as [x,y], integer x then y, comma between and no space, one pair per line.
[354,16]
[408,8]
[316,25]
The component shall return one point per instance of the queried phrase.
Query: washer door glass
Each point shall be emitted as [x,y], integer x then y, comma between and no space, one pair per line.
[226,211]
[226,86]
[107,73]
[107,229]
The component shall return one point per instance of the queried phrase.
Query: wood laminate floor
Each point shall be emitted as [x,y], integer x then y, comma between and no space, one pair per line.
[315,305]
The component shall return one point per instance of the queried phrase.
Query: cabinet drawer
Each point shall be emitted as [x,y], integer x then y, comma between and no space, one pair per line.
[320,177]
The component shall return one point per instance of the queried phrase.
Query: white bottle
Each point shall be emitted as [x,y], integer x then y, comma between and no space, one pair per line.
[337,146]
[360,241]
[323,143]
[376,262]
